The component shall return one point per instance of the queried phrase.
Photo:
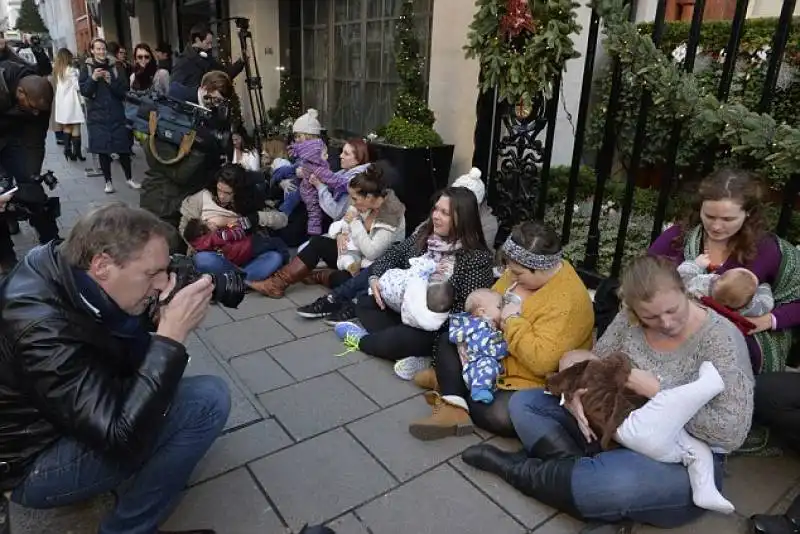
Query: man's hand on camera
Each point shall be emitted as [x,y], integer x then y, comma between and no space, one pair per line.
[186,310]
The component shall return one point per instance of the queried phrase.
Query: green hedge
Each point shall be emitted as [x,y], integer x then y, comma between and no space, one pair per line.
[714,36]
[746,90]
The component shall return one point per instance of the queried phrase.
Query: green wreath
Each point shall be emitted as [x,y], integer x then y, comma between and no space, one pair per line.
[522,45]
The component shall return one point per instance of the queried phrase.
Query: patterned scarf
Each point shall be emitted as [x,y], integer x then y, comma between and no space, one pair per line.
[443,253]
[774,344]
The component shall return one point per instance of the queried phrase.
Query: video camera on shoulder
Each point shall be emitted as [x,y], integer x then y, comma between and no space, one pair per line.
[176,118]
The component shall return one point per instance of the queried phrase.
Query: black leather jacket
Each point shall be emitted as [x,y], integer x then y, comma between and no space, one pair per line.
[62,373]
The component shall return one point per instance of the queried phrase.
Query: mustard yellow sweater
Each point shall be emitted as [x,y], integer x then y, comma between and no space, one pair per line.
[556,319]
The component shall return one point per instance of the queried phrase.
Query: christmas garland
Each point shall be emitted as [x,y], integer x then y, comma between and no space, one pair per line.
[522,45]
[756,137]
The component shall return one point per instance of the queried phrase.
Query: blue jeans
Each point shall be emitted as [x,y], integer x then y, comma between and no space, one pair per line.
[352,288]
[70,472]
[259,268]
[613,485]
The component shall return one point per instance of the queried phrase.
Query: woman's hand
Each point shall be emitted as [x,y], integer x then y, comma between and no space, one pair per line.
[313,180]
[376,293]
[762,322]
[97,74]
[512,309]
[575,407]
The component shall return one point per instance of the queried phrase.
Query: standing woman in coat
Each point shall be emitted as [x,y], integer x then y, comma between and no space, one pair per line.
[104,87]
[68,110]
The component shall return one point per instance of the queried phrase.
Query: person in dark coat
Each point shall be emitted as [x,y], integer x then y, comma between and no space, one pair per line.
[25,101]
[104,86]
[195,62]
[93,394]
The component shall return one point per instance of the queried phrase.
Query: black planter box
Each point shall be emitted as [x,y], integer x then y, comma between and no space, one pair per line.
[421,172]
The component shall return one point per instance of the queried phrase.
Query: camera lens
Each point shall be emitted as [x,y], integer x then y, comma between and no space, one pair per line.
[229,288]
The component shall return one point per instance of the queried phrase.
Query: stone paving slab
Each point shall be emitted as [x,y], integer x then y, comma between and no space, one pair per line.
[321,478]
[317,405]
[231,504]
[313,356]
[354,463]
[240,447]
[377,380]
[386,435]
[439,502]
[260,372]
[248,335]
[243,408]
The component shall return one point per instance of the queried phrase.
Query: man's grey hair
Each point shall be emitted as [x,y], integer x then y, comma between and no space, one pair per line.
[114,229]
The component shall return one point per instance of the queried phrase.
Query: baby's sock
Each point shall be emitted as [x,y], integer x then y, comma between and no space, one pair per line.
[482,395]
[700,463]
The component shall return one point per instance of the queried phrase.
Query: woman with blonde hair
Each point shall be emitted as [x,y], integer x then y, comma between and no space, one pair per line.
[667,335]
[68,109]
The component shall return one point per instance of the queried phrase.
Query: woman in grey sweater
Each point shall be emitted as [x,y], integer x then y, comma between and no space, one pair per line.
[667,336]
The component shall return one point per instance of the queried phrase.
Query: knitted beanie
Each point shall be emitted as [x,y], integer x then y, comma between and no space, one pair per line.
[308,123]
[472,181]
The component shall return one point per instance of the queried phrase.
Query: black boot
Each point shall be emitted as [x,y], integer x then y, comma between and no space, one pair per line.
[77,152]
[548,481]
[789,523]
[773,524]
[68,147]
[556,445]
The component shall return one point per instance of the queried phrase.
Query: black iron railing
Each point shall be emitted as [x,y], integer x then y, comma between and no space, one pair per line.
[517,191]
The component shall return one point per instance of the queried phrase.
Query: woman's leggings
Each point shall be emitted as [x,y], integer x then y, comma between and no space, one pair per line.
[388,337]
[321,248]
[105,165]
[492,417]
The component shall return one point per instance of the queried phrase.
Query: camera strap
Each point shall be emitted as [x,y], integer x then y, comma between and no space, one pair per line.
[184,149]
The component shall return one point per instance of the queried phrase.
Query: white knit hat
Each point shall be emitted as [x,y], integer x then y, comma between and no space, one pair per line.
[472,181]
[308,123]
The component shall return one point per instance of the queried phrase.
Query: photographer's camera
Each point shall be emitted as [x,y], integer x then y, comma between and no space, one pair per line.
[229,287]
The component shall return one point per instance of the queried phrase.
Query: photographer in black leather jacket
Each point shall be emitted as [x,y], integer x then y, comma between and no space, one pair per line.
[25,100]
[89,397]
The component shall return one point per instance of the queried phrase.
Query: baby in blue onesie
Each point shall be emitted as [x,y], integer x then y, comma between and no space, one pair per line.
[481,345]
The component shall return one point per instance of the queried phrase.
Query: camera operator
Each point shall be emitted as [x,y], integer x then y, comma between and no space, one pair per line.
[25,101]
[195,62]
[90,397]
[44,67]
[166,186]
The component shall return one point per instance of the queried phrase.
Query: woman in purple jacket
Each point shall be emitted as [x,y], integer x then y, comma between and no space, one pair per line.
[728,226]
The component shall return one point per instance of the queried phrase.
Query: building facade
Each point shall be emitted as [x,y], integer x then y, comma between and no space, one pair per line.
[342,54]
[58,17]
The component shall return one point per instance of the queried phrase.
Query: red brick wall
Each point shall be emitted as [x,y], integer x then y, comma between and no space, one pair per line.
[84,29]
[715,9]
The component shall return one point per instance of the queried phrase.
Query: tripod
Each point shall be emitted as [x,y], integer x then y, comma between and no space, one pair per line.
[252,76]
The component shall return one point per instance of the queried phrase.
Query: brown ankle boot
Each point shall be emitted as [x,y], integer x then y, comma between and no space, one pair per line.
[321,277]
[275,286]
[427,379]
[445,420]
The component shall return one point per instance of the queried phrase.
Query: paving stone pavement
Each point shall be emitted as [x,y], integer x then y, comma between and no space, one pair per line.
[316,437]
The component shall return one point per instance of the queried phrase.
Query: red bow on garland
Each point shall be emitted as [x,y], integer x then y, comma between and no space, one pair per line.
[517,18]
[740,321]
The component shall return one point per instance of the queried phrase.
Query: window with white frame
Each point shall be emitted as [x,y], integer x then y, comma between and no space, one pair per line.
[347,54]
